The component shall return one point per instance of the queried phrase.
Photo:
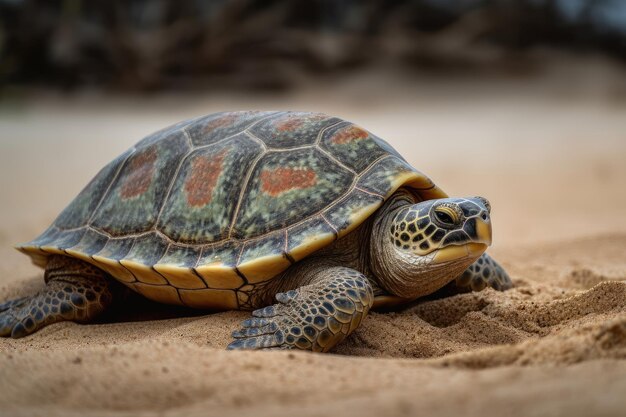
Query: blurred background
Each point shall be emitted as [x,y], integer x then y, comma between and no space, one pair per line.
[522,101]
[272,45]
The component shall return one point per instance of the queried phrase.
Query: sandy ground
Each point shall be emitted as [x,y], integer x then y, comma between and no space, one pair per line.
[551,160]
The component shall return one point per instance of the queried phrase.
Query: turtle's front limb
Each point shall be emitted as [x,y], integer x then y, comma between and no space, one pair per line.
[485,272]
[74,291]
[313,317]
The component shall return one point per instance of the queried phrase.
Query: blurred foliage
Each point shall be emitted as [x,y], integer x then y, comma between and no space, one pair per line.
[154,44]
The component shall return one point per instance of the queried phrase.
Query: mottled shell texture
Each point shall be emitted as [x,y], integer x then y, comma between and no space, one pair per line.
[199,212]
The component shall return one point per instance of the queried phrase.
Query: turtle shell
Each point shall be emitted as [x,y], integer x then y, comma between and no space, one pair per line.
[199,212]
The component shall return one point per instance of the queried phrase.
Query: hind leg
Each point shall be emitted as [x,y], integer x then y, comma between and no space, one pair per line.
[74,291]
[485,272]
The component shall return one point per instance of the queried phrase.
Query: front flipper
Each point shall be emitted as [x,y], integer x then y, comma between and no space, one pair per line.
[485,272]
[313,317]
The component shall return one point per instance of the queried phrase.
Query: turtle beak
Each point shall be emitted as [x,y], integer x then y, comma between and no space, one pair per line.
[483,230]
[482,239]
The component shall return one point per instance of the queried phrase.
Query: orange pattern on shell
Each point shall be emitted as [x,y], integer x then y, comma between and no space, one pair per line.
[348,134]
[222,121]
[277,181]
[141,170]
[203,177]
[289,123]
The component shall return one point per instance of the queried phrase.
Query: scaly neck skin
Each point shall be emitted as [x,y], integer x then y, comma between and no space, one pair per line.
[400,272]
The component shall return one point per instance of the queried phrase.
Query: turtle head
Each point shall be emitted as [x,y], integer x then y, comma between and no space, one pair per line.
[428,244]
[448,228]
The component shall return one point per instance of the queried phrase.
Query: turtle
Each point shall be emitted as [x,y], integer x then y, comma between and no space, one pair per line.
[307,220]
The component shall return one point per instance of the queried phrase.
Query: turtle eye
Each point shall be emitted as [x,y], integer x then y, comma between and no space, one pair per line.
[444,217]
[447,216]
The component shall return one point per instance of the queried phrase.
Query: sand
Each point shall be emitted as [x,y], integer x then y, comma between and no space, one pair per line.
[553,345]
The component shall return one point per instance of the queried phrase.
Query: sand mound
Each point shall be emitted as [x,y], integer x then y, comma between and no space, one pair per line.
[582,326]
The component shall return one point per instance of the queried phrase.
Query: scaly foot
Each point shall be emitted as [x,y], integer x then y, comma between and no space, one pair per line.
[314,317]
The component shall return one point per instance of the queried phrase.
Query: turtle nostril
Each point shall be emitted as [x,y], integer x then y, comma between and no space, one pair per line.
[484,216]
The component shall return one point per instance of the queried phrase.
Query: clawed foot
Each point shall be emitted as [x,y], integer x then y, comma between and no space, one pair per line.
[12,314]
[58,301]
[315,317]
